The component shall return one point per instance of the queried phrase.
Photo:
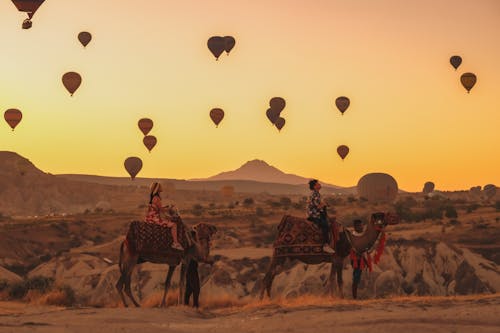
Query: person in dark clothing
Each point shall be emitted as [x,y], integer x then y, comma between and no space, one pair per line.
[192,284]
[316,213]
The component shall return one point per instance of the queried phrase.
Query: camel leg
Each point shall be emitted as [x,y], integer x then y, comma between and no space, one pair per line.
[119,287]
[331,280]
[171,270]
[128,290]
[267,282]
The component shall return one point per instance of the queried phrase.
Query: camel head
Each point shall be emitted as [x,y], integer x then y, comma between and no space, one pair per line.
[381,220]
[203,233]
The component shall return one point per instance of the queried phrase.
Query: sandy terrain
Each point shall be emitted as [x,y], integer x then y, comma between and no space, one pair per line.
[463,314]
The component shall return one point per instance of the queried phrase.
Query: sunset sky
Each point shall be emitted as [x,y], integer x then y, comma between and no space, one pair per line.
[409,115]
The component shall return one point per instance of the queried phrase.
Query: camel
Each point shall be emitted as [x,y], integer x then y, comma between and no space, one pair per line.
[302,240]
[147,242]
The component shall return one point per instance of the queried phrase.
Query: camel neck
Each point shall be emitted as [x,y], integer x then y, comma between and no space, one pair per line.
[365,241]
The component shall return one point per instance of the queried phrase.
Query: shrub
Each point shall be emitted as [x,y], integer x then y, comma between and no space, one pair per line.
[450,212]
[286,202]
[472,207]
[248,202]
[40,284]
[497,206]
[351,199]
[197,210]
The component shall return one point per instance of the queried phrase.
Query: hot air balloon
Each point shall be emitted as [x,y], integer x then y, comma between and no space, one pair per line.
[428,187]
[71,81]
[13,117]
[133,165]
[342,103]
[378,187]
[342,151]
[272,115]
[490,190]
[229,43]
[455,61]
[216,115]
[277,103]
[145,125]
[29,7]
[84,37]
[149,141]
[279,123]
[468,81]
[216,45]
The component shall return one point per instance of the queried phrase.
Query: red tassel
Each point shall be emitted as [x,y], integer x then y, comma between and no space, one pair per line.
[380,249]
[369,262]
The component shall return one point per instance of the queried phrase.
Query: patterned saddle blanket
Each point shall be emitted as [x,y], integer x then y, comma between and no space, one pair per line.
[151,240]
[298,236]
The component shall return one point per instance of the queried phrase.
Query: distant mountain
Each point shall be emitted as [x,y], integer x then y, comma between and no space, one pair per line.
[258,170]
[27,190]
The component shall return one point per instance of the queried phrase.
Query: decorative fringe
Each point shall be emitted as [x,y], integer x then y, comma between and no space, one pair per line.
[367,261]
[380,248]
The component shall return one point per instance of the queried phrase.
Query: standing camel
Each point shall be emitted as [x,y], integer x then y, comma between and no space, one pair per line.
[148,242]
[302,240]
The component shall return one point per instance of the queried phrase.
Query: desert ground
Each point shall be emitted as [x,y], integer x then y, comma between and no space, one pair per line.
[425,314]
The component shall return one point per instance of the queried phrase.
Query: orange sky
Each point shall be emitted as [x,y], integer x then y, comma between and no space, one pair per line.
[409,115]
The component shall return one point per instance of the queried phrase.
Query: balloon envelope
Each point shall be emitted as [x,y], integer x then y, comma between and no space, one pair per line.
[468,80]
[145,125]
[133,165]
[277,103]
[378,187]
[84,37]
[490,190]
[455,61]
[279,123]
[428,187]
[149,141]
[272,115]
[216,45]
[342,151]
[342,103]
[28,6]
[229,43]
[71,81]
[13,117]
[216,115]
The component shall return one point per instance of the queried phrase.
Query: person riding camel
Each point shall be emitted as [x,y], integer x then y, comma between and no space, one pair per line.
[316,213]
[154,211]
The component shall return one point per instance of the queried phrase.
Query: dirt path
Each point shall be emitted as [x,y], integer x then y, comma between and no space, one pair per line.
[471,314]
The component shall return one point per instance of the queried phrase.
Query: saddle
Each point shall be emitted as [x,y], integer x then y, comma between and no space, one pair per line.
[153,241]
[299,236]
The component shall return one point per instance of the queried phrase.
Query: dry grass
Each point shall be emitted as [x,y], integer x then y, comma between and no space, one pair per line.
[318,301]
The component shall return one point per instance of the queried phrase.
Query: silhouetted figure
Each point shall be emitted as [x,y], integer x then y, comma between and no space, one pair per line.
[192,284]
[357,269]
